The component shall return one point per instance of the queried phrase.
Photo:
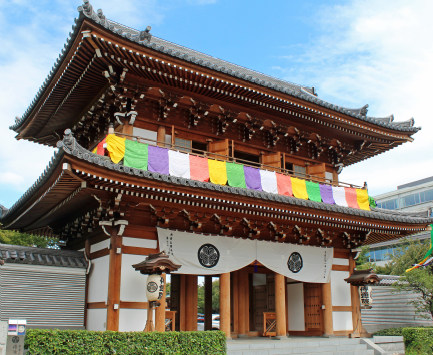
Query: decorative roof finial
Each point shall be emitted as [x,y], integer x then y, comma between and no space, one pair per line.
[146,35]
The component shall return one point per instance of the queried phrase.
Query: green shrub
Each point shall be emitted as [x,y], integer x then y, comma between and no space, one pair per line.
[390,332]
[418,341]
[84,342]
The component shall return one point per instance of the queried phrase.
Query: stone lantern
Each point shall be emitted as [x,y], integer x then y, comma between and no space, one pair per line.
[361,297]
[156,266]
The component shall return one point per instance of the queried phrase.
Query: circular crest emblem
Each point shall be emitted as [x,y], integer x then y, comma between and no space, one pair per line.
[15,339]
[208,255]
[295,262]
[152,287]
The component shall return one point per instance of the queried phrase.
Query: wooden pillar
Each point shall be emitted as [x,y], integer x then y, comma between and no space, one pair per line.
[328,325]
[280,305]
[242,296]
[160,136]
[208,303]
[190,304]
[160,311]
[195,305]
[225,304]
[354,294]
[182,303]
[114,270]
[128,128]
[235,302]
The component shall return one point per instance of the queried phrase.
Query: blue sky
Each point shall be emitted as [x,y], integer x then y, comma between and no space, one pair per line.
[353,52]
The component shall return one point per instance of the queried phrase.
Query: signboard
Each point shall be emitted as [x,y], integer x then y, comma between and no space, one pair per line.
[3,337]
[16,332]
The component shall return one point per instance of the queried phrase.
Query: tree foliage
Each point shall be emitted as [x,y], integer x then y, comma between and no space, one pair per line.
[215,297]
[418,281]
[17,238]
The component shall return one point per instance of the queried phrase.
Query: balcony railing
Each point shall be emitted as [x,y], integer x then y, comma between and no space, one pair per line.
[220,157]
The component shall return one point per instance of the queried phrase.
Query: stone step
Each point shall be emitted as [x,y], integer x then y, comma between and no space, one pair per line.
[329,347]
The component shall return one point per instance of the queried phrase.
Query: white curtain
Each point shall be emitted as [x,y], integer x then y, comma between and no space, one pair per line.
[201,254]
[298,262]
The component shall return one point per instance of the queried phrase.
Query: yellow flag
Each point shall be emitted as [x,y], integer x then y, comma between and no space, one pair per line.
[299,188]
[115,147]
[362,199]
[217,171]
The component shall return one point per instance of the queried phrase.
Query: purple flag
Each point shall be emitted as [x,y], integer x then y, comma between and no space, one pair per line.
[326,194]
[158,160]
[252,178]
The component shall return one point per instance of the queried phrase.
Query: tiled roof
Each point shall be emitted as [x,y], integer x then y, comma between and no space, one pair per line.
[184,53]
[55,160]
[387,280]
[17,254]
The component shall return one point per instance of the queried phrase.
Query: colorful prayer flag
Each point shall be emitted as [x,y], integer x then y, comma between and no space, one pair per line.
[252,178]
[136,155]
[158,160]
[217,171]
[235,175]
[268,180]
[284,184]
[116,148]
[313,191]
[299,188]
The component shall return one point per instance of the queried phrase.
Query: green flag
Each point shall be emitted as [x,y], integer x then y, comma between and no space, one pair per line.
[235,175]
[136,155]
[313,190]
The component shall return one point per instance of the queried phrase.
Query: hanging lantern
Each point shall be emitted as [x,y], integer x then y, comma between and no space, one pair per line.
[365,297]
[155,287]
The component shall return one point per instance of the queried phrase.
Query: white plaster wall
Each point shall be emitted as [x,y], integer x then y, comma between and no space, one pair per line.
[144,133]
[132,320]
[295,306]
[98,280]
[133,284]
[142,243]
[101,245]
[97,319]
[342,320]
[340,289]
[338,261]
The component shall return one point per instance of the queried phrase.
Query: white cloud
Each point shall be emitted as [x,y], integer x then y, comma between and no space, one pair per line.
[11,179]
[380,53]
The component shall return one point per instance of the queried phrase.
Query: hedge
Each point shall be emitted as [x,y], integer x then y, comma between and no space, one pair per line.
[418,341]
[84,342]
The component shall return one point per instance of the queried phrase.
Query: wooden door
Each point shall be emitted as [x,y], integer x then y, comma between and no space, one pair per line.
[313,308]
[219,147]
[270,286]
[316,170]
[259,306]
[272,160]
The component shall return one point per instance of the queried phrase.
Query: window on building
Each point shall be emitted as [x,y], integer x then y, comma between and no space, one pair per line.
[247,158]
[299,171]
[389,205]
[183,144]
[428,195]
[409,200]
[198,147]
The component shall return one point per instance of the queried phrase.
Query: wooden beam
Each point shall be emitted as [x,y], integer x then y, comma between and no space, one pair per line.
[99,254]
[342,308]
[280,305]
[340,267]
[134,305]
[225,304]
[182,303]
[235,302]
[138,250]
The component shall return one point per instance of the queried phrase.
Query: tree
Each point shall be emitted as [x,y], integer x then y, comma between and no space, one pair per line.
[419,281]
[17,238]
[215,297]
